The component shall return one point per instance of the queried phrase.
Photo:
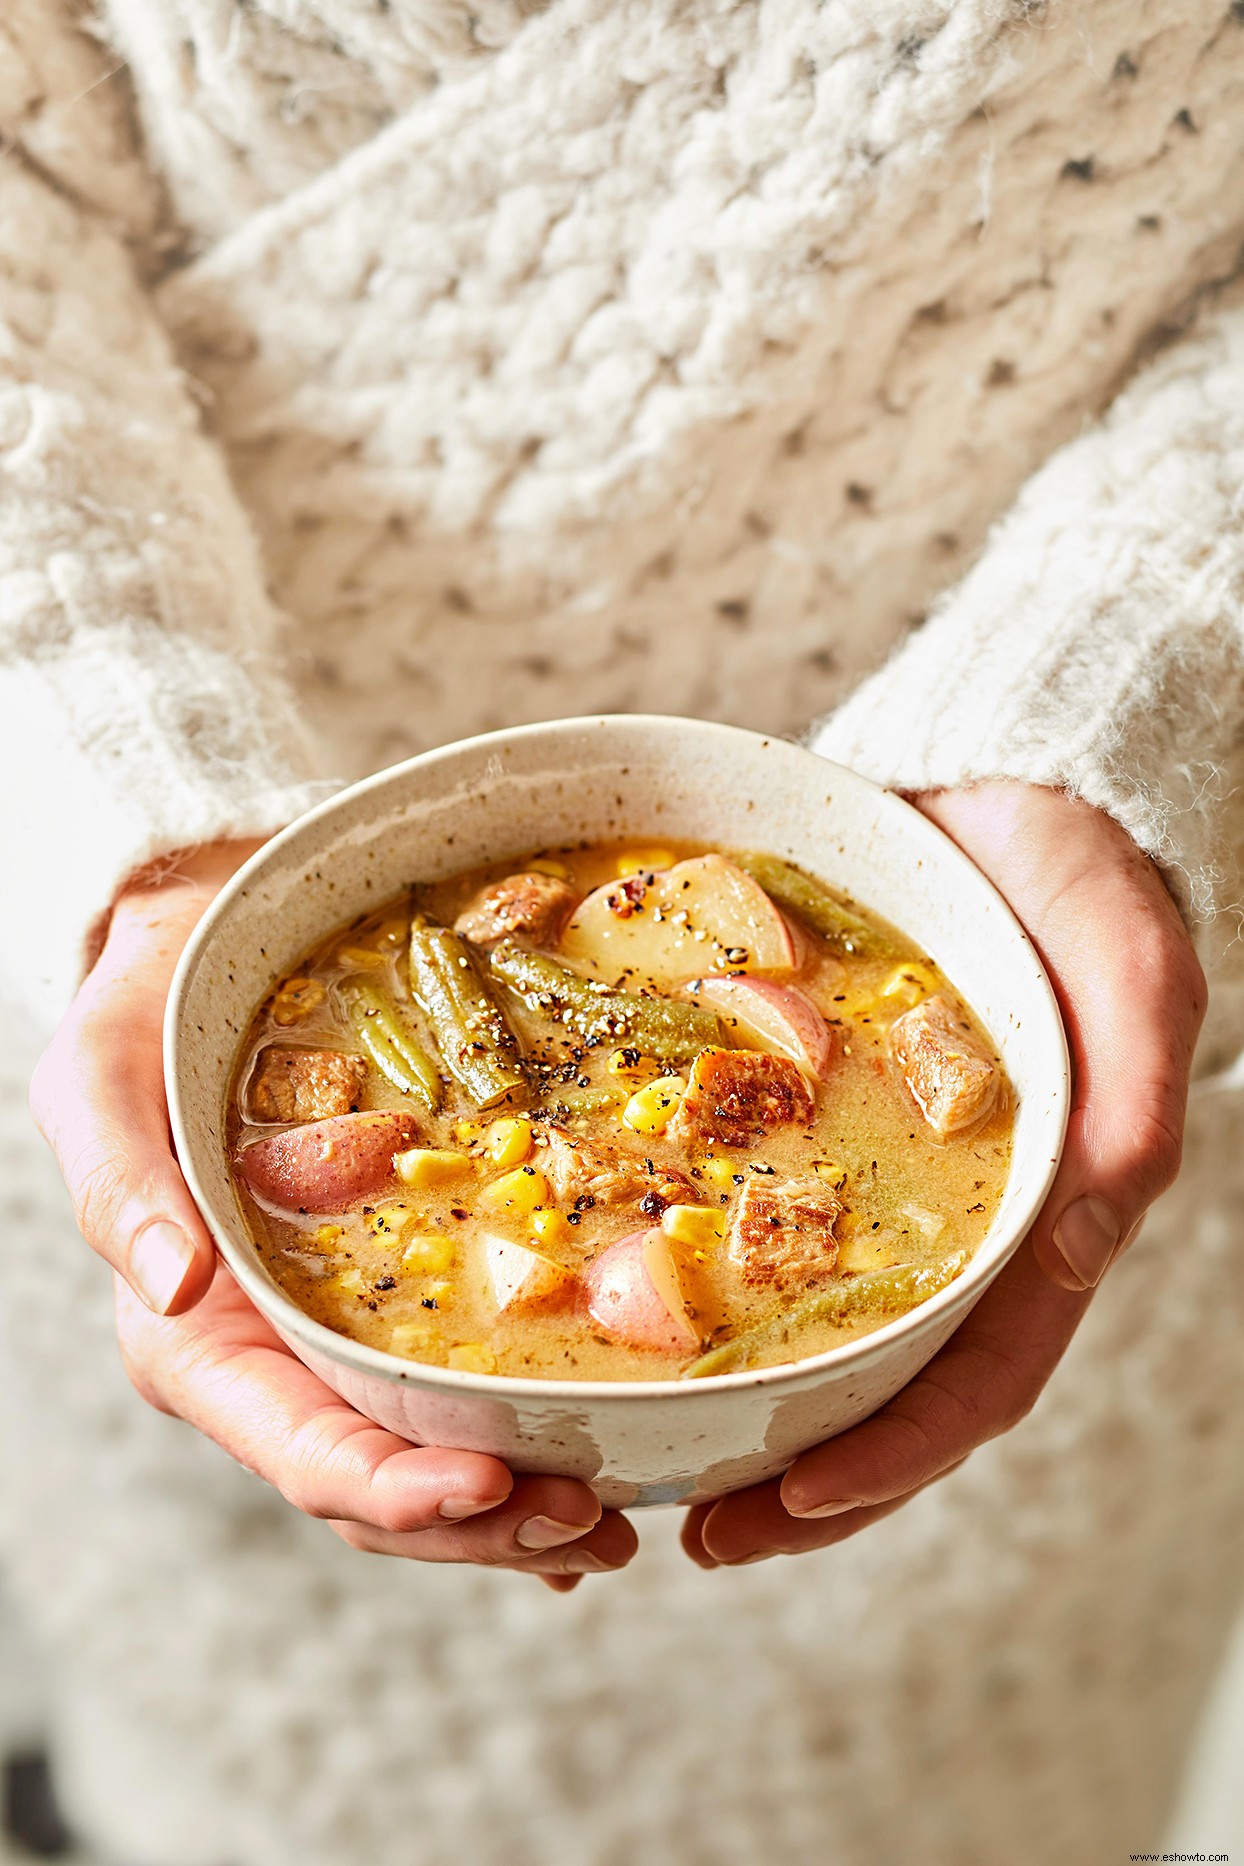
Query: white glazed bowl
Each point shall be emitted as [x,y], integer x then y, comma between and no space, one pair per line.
[586,779]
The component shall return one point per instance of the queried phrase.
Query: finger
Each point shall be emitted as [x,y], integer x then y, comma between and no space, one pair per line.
[224,1370]
[980,1385]
[97,1096]
[497,1540]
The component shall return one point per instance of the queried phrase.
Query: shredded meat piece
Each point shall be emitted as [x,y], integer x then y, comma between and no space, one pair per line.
[595,1173]
[736,1096]
[954,1082]
[783,1234]
[305,1085]
[535,907]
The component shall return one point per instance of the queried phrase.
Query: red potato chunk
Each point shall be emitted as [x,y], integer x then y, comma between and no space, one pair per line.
[591,1172]
[766,1016]
[531,907]
[737,1096]
[660,928]
[954,1083]
[782,1233]
[304,1085]
[522,1278]
[634,1293]
[330,1165]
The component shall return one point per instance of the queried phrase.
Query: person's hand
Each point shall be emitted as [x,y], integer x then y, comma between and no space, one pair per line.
[1132,997]
[192,1343]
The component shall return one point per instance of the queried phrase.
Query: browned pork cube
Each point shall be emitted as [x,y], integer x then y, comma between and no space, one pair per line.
[737,1096]
[782,1232]
[304,1085]
[954,1082]
[532,907]
[594,1173]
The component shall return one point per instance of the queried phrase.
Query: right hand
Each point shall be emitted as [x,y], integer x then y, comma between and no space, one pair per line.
[192,1343]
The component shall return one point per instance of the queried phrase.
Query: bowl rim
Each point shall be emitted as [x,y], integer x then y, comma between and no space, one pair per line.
[289,1320]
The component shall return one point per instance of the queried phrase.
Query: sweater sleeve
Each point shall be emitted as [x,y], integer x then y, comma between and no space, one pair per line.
[141,710]
[1097,645]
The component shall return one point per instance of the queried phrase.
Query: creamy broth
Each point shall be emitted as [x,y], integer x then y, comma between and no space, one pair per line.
[774,1208]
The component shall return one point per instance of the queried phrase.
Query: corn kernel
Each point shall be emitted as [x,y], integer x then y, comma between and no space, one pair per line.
[549,1227]
[508,1141]
[718,1173]
[428,1253]
[909,983]
[429,1166]
[548,865]
[472,1357]
[392,933]
[693,1225]
[387,1220]
[633,1065]
[519,1191]
[365,957]
[325,1236]
[650,1110]
[440,1293]
[467,1131]
[296,999]
[632,861]
[351,1280]
[410,1339]
[832,1170]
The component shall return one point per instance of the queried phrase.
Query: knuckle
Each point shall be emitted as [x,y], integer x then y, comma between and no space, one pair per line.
[1155,1151]
[909,1450]
[300,1492]
[98,1193]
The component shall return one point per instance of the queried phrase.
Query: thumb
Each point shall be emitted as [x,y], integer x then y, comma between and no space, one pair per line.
[1133,997]
[97,1097]
[1131,992]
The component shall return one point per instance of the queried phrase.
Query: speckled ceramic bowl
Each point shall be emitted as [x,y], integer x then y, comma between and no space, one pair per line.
[660,1441]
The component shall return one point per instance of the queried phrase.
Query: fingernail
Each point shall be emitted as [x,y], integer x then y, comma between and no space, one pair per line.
[455,1509]
[541,1532]
[160,1257]
[833,1508]
[1087,1235]
[582,1561]
[745,1561]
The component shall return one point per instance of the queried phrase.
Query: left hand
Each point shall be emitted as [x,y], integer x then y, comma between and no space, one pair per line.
[1133,998]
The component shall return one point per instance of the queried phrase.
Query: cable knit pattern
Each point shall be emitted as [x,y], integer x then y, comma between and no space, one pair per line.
[139,710]
[676,355]
[628,352]
[1134,532]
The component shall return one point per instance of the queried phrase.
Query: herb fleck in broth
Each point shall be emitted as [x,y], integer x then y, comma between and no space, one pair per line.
[656,1112]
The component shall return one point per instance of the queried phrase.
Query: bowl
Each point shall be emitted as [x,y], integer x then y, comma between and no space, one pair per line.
[660,1441]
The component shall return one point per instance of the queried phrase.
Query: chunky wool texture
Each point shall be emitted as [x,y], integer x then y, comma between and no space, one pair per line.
[372,373]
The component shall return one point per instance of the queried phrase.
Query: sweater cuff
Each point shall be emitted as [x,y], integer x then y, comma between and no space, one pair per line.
[114,753]
[1097,645]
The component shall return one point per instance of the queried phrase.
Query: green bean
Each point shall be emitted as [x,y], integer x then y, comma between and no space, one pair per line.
[670,1031]
[812,901]
[478,1047]
[577,1101]
[388,1040]
[886,1292]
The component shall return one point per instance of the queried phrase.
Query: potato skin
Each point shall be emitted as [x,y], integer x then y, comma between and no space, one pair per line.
[329,1165]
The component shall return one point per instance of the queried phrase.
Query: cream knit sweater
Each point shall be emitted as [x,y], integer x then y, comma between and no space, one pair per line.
[373,371]
[457,366]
